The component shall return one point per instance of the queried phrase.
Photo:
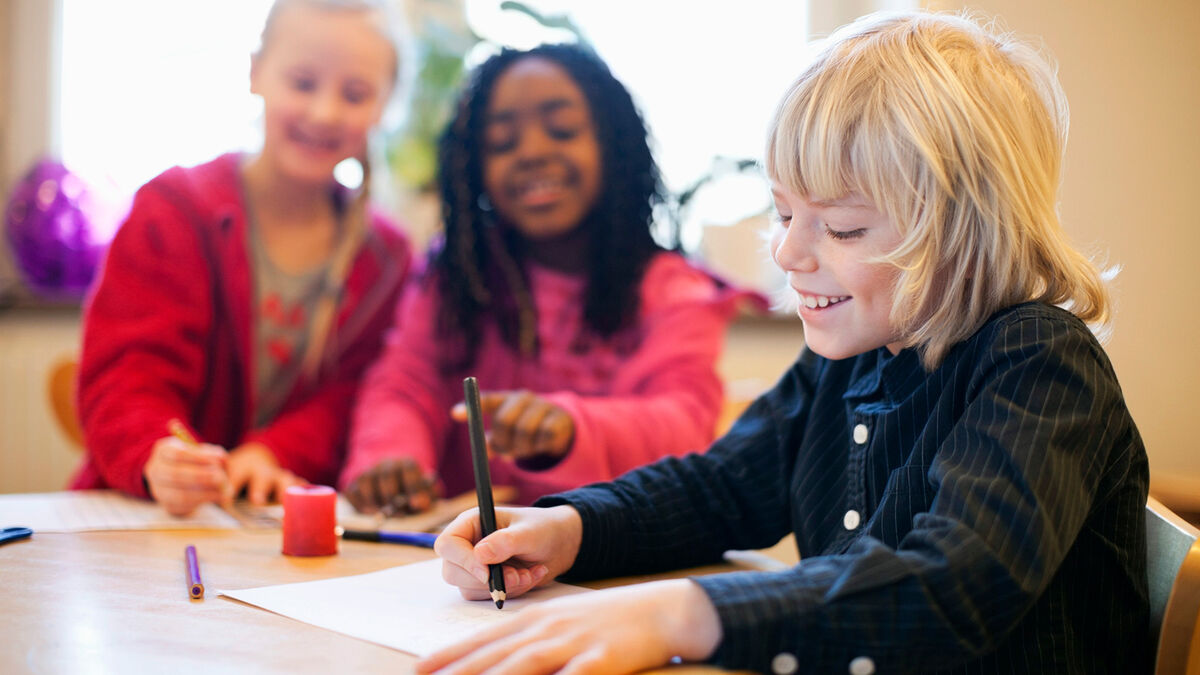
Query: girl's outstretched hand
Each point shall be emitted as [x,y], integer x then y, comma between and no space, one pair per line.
[534,545]
[524,425]
[619,630]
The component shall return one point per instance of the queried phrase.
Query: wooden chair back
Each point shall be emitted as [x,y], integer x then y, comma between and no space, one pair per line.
[60,386]
[1173,569]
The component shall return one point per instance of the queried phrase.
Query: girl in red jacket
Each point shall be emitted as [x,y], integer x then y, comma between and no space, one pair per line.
[242,299]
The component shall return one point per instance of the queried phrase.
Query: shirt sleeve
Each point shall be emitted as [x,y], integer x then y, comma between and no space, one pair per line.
[403,403]
[144,330]
[1014,480]
[686,511]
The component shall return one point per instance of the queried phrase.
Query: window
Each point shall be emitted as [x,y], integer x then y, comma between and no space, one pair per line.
[147,84]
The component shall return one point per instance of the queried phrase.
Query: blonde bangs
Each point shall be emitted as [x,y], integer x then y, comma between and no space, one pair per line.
[956,133]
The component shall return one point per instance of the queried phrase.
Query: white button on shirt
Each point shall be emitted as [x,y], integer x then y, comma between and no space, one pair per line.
[862,666]
[851,519]
[784,664]
[860,433]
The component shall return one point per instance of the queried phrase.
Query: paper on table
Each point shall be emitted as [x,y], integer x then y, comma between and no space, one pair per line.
[409,608]
[83,510]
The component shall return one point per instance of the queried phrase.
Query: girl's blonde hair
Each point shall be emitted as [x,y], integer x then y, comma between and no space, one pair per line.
[956,133]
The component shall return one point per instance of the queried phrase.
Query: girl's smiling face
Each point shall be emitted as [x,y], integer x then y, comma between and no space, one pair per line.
[324,76]
[542,167]
[828,250]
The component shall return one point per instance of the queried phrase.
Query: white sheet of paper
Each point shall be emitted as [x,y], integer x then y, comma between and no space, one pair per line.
[84,510]
[410,607]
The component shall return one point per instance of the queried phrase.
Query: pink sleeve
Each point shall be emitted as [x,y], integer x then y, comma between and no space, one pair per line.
[666,398]
[403,409]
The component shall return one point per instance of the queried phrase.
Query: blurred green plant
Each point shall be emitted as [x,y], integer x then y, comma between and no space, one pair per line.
[411,151]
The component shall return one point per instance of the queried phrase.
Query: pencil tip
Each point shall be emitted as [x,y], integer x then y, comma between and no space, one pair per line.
[499,597]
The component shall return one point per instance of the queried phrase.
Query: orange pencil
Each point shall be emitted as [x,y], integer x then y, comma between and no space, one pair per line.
[180,431]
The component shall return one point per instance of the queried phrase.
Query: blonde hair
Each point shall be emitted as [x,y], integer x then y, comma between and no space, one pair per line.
[956,133]
[322,349]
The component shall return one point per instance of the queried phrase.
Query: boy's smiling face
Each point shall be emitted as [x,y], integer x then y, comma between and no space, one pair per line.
[828,251]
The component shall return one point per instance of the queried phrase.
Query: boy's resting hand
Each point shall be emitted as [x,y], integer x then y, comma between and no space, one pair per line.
[393,486]
[619,630]
[182,475]
[524,425]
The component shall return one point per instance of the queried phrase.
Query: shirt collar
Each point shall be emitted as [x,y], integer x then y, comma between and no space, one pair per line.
[881,375]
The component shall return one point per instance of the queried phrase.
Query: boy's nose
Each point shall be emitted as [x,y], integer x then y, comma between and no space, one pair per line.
[793,251]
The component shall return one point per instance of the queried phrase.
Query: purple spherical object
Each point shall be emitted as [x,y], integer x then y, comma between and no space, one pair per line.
[50,223]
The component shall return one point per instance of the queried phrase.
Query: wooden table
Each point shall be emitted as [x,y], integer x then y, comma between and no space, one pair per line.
[117,602]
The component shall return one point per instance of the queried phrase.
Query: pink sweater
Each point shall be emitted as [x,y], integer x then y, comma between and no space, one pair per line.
[648,392]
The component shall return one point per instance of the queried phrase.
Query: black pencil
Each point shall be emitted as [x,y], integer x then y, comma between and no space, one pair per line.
[483,481]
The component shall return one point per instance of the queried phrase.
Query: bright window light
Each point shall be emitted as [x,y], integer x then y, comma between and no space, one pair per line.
[148,84]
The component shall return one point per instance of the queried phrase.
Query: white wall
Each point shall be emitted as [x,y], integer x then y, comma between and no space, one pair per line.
[1131,70]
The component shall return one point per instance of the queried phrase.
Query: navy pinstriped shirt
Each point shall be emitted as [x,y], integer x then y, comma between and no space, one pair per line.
[987,517]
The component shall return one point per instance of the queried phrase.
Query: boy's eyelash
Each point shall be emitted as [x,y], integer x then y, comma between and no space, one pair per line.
[842,235]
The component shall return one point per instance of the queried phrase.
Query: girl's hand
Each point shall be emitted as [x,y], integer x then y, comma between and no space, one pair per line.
[393,486]
[619,630]
[182,475]
[255,468]
[534,544]
[524,425]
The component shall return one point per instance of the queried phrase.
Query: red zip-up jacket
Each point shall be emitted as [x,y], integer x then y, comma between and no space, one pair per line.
[167,333]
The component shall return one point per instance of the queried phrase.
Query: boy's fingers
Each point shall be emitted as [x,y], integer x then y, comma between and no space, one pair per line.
[455,545]
[499,546]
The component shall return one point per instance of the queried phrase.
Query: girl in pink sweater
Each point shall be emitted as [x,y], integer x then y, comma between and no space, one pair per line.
[595,346]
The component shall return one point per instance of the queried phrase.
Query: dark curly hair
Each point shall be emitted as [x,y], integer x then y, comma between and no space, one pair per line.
[479,267]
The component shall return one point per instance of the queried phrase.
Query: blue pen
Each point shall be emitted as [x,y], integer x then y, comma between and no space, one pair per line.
[424,539]
[14,533]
